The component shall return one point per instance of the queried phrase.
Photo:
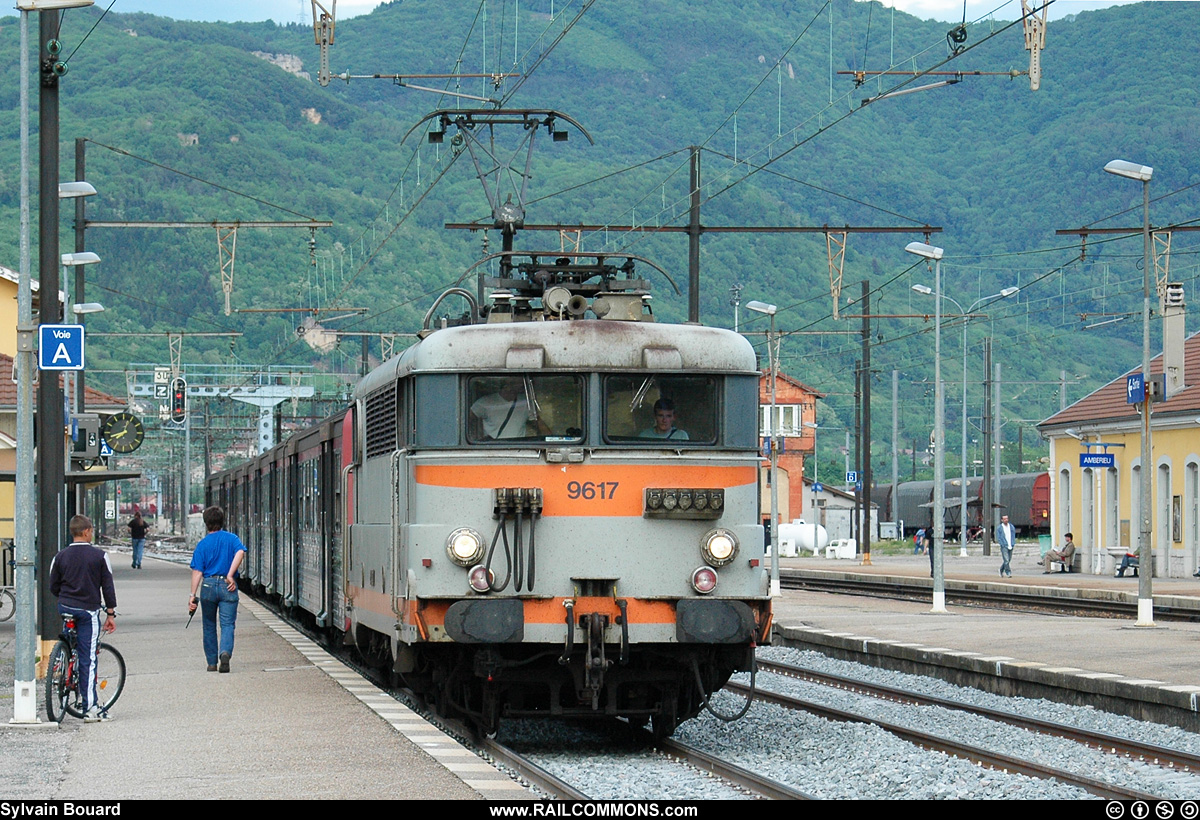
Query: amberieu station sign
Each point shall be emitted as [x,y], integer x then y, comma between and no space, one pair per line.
[1097,460]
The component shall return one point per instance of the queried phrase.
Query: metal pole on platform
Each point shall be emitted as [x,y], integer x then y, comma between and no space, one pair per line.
[1142,173]
[773,354]
[939,429]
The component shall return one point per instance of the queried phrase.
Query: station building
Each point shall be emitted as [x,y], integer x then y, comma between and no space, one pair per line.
[796,424]
[1099,503]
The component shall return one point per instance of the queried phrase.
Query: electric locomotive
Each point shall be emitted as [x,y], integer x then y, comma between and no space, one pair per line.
[547,506]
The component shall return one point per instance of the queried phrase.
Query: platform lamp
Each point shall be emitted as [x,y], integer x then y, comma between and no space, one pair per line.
[939,427]
[966,317]
[1143,173]
[77,261]
[773,355]
[25,495]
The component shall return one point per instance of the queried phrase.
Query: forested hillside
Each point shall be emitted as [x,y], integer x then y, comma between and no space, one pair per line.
[191,121]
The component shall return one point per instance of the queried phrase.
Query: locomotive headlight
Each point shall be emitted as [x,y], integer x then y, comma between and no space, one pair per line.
[719,547]
[704,580]
[465,546]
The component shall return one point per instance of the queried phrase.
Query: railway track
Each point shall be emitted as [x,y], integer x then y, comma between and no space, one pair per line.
[742,778]
[590,751]
[1150,753]
[1169,760]
[1026,601]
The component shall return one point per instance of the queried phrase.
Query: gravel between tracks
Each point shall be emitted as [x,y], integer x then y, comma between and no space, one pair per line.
[861,761]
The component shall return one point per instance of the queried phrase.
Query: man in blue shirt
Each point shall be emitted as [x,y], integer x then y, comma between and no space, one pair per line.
[215,566]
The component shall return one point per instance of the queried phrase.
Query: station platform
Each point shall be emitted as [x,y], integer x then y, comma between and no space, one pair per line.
[289,721]
[1103,660]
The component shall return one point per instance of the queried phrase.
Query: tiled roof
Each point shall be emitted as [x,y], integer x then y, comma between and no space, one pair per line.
[93,400]
[784,377]
[1108,403]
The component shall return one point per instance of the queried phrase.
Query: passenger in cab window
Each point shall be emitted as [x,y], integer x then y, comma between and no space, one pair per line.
[664,423]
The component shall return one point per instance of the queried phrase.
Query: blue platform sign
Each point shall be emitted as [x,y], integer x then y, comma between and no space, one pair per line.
[818,487]
[1135,389]
[1097,460]
[851,476]
[60,347]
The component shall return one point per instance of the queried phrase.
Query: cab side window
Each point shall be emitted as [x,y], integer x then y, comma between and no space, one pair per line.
[521,407]
[660,410]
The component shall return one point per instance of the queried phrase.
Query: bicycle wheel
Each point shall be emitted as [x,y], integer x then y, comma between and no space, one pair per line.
[8,604]
[110,676]
[57,671]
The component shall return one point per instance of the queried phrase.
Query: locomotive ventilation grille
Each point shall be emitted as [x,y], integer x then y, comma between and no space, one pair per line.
[381,422]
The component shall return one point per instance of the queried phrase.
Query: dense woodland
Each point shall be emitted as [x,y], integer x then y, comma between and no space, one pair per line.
[185,122]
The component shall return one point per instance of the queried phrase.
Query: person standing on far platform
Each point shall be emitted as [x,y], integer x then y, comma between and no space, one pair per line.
[1006,536]
[137,536]
[215,566]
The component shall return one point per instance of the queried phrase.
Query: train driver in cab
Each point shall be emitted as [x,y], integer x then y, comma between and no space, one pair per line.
[504,414]
[664,423]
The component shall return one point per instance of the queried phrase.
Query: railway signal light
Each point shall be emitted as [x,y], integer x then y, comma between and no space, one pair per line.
[179,400]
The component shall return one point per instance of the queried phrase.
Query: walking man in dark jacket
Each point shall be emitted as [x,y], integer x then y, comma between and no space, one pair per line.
[81,577]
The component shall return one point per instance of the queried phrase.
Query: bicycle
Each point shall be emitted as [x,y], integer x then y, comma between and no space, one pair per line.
[8,603]
[62,675]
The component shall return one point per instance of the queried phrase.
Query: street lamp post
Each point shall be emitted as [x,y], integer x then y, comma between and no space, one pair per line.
[813,426]
[26,495]
[1143,173]
[772,354]
[966,317]
[939,428]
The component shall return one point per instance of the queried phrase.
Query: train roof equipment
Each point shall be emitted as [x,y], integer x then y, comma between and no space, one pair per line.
[551,286]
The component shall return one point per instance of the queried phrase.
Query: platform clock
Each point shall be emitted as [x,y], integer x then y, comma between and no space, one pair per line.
[124,432]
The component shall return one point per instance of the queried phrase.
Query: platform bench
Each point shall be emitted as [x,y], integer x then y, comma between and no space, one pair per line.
[1134,565]
[1074,565]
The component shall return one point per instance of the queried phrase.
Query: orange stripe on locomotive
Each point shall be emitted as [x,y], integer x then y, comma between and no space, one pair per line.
[615,490]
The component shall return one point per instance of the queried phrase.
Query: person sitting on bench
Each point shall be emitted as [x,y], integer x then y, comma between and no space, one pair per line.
[1130,561]
[1065,555]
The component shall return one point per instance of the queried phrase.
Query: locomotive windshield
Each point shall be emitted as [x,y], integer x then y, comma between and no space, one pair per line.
[525,408]
[660,410]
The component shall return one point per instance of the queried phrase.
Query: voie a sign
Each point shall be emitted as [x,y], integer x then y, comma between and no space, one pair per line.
[60,347]
[1097,460]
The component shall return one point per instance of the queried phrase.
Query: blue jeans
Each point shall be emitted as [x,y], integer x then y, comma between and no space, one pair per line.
[139,546]
[87,630]
[1005,557]
[216,600]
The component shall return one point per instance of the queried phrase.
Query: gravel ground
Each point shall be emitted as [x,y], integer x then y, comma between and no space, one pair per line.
[605,764]
[860,761]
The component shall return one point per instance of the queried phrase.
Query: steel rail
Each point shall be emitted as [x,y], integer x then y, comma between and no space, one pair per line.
[530,771]
[1028,601]
[742,778]
[993,760]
